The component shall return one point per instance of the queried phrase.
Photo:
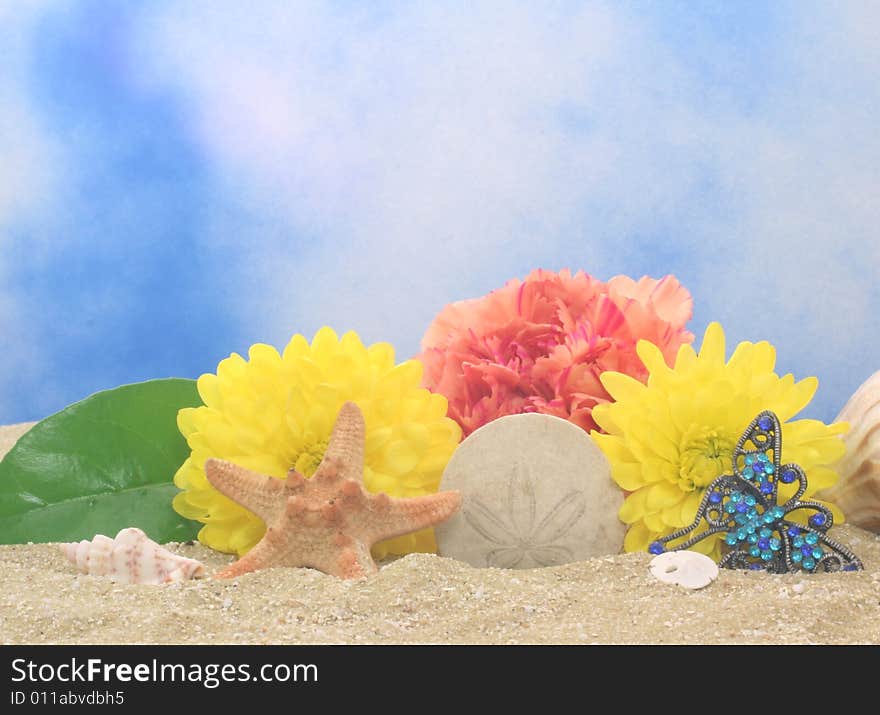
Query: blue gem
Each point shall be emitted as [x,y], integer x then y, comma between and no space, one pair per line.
[769,468]
[750,500]
[778,512]
[748,473]
[797,556]
[775,544]
[763,457]
[742,507]
[808,564]
[807,550]
[850,567]
[753,538]
[766,488]
[766,555]
[741,534]
[812,538]
[730,539]
[817,520]
[797,542]
[715,497]
[765,533]
[764,543]
[741,519]
[751,529]
[793,531]
[788,476]
[755,551]
[817,553]
[750,460]
[656,548]
[735,497]
[767,518]
[765,423]
[730,507]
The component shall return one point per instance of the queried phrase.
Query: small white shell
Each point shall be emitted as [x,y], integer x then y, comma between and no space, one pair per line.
[858,491]
[131,557]
[685,568]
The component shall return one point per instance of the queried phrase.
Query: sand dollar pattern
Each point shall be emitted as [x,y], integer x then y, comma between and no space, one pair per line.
[536,491]
[519,541]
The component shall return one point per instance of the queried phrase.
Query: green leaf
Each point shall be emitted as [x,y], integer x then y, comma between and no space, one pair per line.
[99,466]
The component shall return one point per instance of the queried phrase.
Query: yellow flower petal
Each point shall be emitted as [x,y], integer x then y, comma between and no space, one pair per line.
[637,538]
[604,417]
[400,458]
[654,522]
[689,506]
[324,344]
[628,475]
[652,358]
[183,506]
[622,387]
[614,447]
[381,356]
[742,357]
[297,347]
[671,516]
[662,495]
[763,358]
[633,507]
[821,478]
[713,347]
[209,390]
[186,421]
[654,440]
[685,360]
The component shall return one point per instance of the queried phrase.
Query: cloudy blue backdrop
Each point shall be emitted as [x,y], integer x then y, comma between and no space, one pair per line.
[181,179]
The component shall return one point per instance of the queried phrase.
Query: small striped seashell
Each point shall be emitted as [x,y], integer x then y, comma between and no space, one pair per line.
[858,491]
[132,557]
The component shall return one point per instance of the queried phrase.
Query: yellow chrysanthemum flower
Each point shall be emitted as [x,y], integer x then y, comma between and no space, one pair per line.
[669,439]
[275,412]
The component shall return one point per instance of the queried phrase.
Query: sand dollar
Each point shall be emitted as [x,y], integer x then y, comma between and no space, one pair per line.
[685,568]
[537,491]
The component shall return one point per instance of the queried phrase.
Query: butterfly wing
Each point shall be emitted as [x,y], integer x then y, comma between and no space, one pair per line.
[716,514]
[757,455]
[808,546]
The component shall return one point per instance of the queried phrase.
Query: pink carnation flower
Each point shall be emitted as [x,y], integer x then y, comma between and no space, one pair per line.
[540,345]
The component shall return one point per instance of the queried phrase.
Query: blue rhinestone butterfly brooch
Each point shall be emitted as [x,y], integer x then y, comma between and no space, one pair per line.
[745,507]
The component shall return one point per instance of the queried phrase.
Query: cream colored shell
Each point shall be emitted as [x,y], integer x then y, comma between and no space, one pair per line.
[132,557]
[684,568]
[858,491]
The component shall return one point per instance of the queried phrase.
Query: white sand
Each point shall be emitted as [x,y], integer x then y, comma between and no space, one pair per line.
[427,599]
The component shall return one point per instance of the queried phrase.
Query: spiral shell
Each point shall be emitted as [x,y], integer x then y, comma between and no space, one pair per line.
[858,491]
[131,557]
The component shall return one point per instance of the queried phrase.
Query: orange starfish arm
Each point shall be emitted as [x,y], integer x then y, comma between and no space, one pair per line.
[346,448]
[395,517]
[259,493]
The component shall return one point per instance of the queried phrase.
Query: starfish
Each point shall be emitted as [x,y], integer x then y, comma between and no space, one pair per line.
[328,522]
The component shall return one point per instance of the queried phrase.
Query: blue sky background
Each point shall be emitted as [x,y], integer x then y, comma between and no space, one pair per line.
[180,180]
